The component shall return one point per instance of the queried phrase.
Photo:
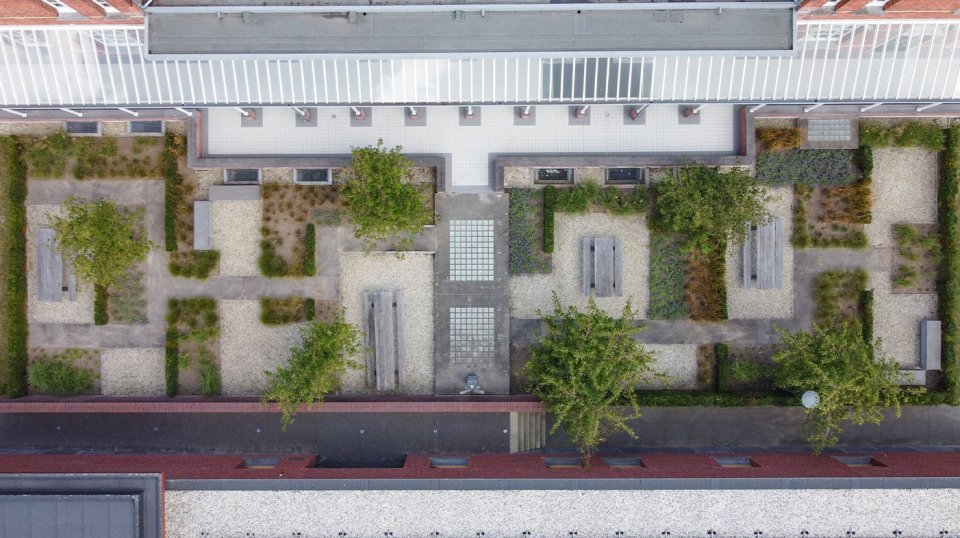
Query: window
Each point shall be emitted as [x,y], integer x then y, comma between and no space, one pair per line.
[146,127]
[554,175]
[313,176]
[735,461]
[624,462]
[626,176]
[260,463]
[563,463]
[82,127]
[858,461]
[449,463]
[241,175]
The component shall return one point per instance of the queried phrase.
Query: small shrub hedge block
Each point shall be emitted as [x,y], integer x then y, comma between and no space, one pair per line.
[807,166]
[549,208]
[100,301]
[524,246]
[171,365]
[310,251]
[54,375]
[172,191]
[949,285]
[194,264]
[904,134]
[16,304]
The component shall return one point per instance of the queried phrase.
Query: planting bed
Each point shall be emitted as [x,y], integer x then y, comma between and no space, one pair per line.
[193,328]
[87,360]
[916,258]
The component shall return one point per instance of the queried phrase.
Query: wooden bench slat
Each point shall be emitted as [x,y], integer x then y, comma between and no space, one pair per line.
[49,267]
[384,338]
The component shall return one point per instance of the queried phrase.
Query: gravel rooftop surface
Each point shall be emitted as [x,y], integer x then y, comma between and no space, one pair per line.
[248,348]
[413,274]
[745,303]
[406,513]
[30,128]
[897,317]
[904,190]
[132,372]
[530,293]
[235,230]
[678,361]
[66,311]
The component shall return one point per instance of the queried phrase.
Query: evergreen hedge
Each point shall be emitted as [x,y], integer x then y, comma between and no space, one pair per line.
[16,300]
[949,288]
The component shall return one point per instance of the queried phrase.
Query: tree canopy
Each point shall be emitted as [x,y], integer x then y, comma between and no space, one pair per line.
[709,206]
[101,241]
[315,366]
[854,379]
[586,369]
[380,201]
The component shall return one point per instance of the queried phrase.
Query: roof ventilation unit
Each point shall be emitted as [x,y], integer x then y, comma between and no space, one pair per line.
[63,10]
[108,10]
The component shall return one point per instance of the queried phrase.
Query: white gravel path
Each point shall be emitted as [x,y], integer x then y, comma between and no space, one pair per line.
[904,190]
[530,293]
[248,348]
[413,275]
[235,232]
[678,362]
[745,303]
[66,311]
[897,317]
[555,514]
[132,372]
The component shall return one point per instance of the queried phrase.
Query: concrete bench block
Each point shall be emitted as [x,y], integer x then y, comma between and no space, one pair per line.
[930,344]
[201,225]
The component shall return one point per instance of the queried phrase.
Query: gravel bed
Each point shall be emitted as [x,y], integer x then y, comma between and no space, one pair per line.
[132,372]
[517,178]
[589,513]
[235,232]
[277,175]
[114,128]
[30,128]
[904,190]
[205,178]
[413,275]
[678,361]
[530,293]
[66,311]
[897,317]
[249,348]
[745,303]
[175,127]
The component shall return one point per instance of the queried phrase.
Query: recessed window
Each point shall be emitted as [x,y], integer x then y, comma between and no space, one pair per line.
[858,461]
[554,175]
[735,461]
[82,127]
[563,463]
[449,463]
[146,127]
[313,176]
[624,462]
[625,176]
[241,175]
[260,463]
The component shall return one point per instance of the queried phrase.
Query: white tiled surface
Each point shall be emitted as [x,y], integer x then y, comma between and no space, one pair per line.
[471,250]
[471,146]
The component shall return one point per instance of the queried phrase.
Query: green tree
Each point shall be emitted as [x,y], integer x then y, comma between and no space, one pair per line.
[380,201]
[101,241]
[315,367]
[709,206]
[854,379]
[586,369]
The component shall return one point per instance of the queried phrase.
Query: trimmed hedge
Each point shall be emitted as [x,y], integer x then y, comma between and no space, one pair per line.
[100,301]
[707,398]
[16,304]
[864,160]
[310,305]
[949,288]
[904,134]
[549,208]
[172,191]
[171,365]
[722,354]
[807,166]
[866,310]
[310,251]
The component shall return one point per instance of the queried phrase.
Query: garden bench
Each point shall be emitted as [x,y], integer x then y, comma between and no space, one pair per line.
[602,268]
[763,256]
[49,267]
[930,344]
[201,225]
[383,323]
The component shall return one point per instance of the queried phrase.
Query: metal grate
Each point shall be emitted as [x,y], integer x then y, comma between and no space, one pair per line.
[828,130]
[471,335]
[471,250]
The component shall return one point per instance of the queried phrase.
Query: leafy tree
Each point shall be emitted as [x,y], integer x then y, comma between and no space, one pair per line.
[381,204]
[315,367]
[709,206]
[854,380]
[99,239]
[585,368]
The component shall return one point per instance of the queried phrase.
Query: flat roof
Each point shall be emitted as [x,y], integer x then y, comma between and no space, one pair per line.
[413,30]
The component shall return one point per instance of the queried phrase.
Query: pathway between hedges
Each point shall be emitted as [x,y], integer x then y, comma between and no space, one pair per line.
[160,284]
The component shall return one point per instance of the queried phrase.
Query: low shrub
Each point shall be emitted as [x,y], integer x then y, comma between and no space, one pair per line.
[310,305]
[172,190]
[807,166]
[310,251]
[57,376]
[904,134]
[549,208]
[949,285]
[864,160]
[706,398]
[16,299]
[905,277]
[100,303]
[209,376]
[578,198]
[282,310]
[194,263]
[746,371]
[48,156]
[623,202]
[848,203]
[525,248]
[722,353]
[171,364]
[668,268]
[866,309]
[778,139]
[271,264]
[837,296]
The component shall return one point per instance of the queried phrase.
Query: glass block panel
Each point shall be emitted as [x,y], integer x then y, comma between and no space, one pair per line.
[828,130]
[472,338]
[471,250]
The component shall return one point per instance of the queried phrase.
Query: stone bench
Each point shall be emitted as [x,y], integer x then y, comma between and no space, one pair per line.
[763,256]
[201,225]
[930,340]
[383,324]
[602,270]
